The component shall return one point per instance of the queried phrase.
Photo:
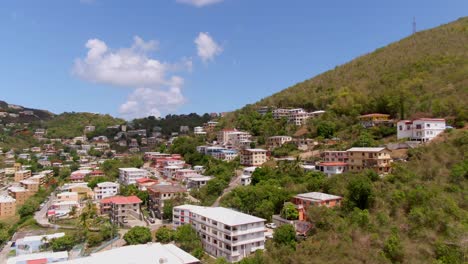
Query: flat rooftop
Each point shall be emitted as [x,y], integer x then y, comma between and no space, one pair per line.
[317,196]
[223,215]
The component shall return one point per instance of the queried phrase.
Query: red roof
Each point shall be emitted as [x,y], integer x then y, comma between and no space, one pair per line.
[145,180]
[121,200]
[77,176]
[97,172]
[333,164]
[431,119]
[37,261]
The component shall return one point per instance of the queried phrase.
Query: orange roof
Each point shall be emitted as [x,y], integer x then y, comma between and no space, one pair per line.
[37,261]
[333,164]
[145,180]
[121,200]
[374,115]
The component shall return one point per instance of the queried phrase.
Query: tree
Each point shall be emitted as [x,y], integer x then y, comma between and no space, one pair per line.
[326,129]
[138,235]
[393,249]
[164,235]
[64,173]
[360,193]
[187,239]
[365,139]
[289,211]
[28,208]
[64,243]
[285,235]
[167,210]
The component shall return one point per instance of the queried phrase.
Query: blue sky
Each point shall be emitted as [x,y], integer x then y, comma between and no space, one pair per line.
[182,56]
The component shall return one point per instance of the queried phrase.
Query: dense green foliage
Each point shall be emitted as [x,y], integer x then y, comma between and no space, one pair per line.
[64,243]
[69,125]
[138,235]
[285,235]
[425,72]
[164,235]
[416,214]
[111,167]
[187,239]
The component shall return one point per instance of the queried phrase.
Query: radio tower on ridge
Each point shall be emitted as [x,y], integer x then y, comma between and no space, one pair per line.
[414,25]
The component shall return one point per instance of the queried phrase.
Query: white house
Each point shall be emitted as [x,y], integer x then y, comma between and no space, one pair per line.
[224,232]
[32,244]
[129,176]
[106,189]
[423,129]
[331,168]
[197,181]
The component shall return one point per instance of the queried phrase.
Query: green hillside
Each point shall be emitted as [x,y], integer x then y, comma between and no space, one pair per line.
[69,125]
[424,73]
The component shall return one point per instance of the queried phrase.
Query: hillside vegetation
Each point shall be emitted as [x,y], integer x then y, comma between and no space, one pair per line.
[424,73]
[69,125]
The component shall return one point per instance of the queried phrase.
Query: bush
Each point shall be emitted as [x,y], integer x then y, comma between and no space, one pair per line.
[393,248]
[285,235]
[138,235]
[165,235]
[94,239]
[64,243]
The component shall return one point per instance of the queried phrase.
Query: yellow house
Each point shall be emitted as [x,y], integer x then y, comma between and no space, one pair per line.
[83,191]
[371,120]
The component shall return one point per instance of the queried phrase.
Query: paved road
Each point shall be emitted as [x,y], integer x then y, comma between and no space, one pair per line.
[4,253]
[236,181]
[41,215]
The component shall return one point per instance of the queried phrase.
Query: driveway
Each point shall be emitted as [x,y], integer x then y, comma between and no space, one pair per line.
[4,253]
[236,181]
[41,215]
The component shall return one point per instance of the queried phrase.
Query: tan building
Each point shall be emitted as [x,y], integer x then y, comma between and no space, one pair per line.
[121,208]
[278,141]
[83,191]
[7,206]
[20,194]
[67,197]
[253,157]
[159,193]
[377,159]
[22,175]
[17,166]
[30,185]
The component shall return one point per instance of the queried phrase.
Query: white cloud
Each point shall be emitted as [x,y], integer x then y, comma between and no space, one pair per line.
[156,89]
[207,48]
[199,3]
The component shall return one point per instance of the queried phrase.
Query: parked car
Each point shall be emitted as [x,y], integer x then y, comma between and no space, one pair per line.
[271,225]
[151,220]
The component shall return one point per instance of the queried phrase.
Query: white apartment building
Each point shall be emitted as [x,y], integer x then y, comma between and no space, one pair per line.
[199,130]
[253,157]
[129,176]
[106,189]
[332,168]
[277,141]
[224,232]
[423,129]
[298,116]
[280,113]
[235,138]
[223,135]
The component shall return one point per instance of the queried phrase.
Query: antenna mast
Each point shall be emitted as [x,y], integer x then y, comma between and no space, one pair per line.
[414,25]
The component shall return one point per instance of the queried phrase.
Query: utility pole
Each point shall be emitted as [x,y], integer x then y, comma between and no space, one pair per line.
[414,25]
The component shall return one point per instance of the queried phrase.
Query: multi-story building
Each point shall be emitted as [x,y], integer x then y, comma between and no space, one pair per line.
[278,141]
[236,138]
[298,116]
[198,130]
[22,175]
[159,193]
[79,175]
[334,156]
[121,208]
[377,159]
[375,119]
[304,200]
[280,113]
[225,154]
[331,168]
[20,194]
[224,232]
[253,157]
[223,135]
[423,129]
[7,206]
[67,197]
[30,185]
[210,126]
[106,189]
[181,174]
[197,181]
[129,176]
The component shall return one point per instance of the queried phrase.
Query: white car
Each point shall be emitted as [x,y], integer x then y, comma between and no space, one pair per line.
[271,225]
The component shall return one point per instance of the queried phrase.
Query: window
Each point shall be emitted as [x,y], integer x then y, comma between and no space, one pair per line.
[428,125]
[400,127]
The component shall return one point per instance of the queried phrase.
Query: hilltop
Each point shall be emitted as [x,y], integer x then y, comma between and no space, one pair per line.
[425,73]
[21,114]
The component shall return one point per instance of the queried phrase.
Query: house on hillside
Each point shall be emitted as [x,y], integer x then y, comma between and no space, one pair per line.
[304,200]
[422,130]
[377,159]
[375,119]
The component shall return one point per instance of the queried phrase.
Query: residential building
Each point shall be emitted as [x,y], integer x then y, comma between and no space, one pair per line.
[170,171]
[151,253]
[374,119]
[423,129]
[79,175]
[198,181]
[334,156]
[225,154]
[32,244]
[280,113]
[223,135]
[198,130]
[30,185]
[67,197]
[253,157]
[298,116]
[20,194]
[210,126]
[331,168]
[377,159]
[121,208]
[106,189]
[129,176]
[81,189]
[22,175]
[236,138]
[304,200]
[263,110]
[182,174]
[144,183]
[224,232]
[159,193]
[89,128]
[7,206]
[39,258]
[278,141]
